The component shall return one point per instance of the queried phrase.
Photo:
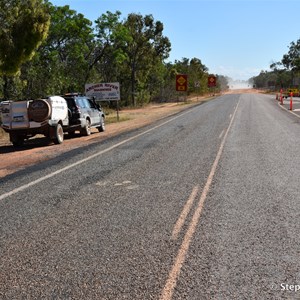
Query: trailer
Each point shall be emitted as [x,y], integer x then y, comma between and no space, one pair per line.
[24,119]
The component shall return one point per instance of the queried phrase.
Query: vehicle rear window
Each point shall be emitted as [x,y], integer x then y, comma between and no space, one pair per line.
[70,103]
[81,103]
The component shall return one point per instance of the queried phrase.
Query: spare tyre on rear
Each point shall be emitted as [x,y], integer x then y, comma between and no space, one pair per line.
[39,110]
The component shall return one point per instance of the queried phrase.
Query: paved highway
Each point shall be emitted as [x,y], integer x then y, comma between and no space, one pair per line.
[201,205]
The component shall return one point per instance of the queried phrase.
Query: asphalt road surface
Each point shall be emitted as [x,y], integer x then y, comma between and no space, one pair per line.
[201,205]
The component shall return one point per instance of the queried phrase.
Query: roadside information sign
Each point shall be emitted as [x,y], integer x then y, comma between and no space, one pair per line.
[181,82]
[103,91]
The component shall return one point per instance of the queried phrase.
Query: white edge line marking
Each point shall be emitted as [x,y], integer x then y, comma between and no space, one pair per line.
[288,110]
[184,213]
[26,186]
[171,282]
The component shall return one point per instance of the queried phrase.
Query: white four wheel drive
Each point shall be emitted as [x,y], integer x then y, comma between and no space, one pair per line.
[24,119]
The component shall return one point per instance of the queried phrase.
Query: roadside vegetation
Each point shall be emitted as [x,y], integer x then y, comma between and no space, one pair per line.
[64,51]
[284,74]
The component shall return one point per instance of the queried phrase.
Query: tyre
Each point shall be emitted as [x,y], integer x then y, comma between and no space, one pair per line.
[87,128]
[17,140]
[39,110]
[18,143]
[101,128]
[58,134]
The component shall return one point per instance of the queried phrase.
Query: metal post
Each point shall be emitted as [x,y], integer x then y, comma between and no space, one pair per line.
[117,110]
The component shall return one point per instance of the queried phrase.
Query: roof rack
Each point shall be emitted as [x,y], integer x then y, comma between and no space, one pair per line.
[73,94]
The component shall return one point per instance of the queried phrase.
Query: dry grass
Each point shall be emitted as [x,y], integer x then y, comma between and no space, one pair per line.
[3,134]
[111,116]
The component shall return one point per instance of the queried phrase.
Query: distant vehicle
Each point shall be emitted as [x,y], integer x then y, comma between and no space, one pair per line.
[84,114]
[25,119]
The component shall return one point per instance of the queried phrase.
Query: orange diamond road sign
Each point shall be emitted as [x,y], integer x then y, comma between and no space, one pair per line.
[181,83]
[212,81]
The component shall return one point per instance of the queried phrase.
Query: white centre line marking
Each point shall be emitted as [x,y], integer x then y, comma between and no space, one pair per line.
[171,282]
[32,183]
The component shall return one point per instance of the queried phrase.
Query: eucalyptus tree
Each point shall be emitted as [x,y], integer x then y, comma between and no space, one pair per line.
[111,37]
[288,68]
[261,81]
[65,53]
[24,25]
[222,82]
[183,65]
[146,46]
[164,80]
[291,60]
[198,74]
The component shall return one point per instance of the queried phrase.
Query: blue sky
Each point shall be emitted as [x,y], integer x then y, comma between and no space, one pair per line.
[232,38]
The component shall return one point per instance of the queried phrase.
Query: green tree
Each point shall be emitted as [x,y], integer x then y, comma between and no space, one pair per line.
[67,49]
[146,47]
[110,41]
[288,69]
[131,51]
[222,82]
[24,25]
[61,62]
[197,74]
[291,60]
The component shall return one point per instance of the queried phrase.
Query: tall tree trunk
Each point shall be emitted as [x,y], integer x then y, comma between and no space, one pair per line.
[133,86]
[5,88]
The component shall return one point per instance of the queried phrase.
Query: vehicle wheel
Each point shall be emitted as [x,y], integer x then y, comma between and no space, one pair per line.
[87,129]
[101,128]
[58,134]
[18,142]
